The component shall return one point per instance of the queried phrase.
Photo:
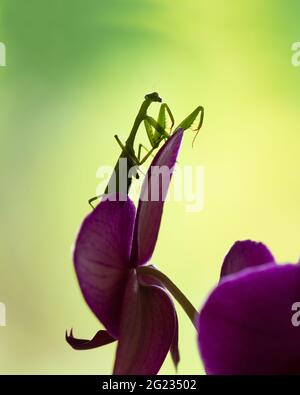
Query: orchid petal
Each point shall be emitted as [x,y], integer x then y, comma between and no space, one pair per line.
[101,338]
[154,192]
[246,326]
[101,259]
[245,254]
[147,329]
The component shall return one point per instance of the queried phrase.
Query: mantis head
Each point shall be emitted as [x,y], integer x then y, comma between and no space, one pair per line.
[154,96]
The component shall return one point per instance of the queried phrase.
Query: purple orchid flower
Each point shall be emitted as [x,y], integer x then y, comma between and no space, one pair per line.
[245,326]
[113,245]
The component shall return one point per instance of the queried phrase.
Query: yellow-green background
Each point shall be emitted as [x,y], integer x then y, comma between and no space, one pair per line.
[76,73]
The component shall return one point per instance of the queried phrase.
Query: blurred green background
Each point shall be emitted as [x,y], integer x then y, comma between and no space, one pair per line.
[76,73]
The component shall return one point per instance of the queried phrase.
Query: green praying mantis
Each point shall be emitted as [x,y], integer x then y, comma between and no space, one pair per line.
[157,131]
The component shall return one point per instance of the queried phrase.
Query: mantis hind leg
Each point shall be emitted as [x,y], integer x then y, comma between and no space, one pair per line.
[141,146]
[93,199]
[150,153]
[131,156]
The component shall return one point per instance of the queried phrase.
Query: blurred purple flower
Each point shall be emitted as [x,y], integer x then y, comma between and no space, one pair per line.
[114,240]
[245,326]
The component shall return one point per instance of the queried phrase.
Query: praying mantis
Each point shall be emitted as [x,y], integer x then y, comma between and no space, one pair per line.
[156,131]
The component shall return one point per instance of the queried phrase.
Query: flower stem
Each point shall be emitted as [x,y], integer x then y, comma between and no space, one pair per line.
[173,289]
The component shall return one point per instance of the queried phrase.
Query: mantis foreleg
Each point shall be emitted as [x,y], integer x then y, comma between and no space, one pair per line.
[162,119]
[155,138]
[190,119]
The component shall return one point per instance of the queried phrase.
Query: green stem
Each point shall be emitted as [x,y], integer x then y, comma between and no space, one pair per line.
[173,289]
